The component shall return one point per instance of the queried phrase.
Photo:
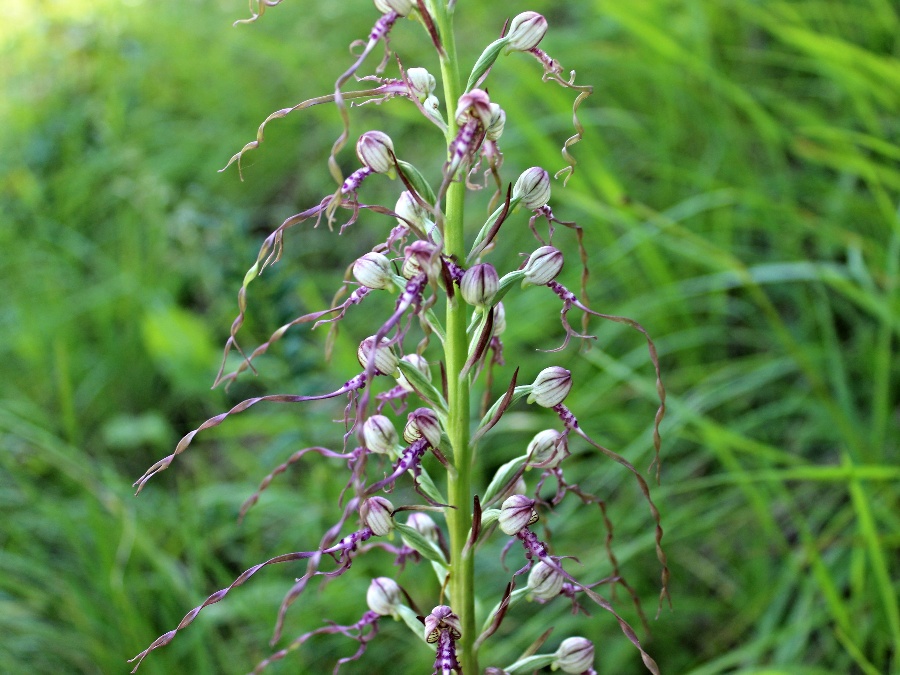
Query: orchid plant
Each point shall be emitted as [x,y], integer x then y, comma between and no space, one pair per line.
[433,263]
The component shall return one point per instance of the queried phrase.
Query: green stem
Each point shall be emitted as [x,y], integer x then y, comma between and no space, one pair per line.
[459,518]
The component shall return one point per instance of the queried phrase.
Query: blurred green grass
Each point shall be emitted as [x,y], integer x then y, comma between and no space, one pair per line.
[739,190]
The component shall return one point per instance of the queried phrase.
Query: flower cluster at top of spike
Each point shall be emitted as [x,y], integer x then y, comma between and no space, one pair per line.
[411,263]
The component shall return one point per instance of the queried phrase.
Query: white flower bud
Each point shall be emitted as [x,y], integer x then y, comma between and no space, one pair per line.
[380,435]
[421,256]
[526,31]
[423,423]
[551,387]
[543,265]
[385,359]
[498,121]
[533,188]
[515,513]
[422,82]
[544,581]
[479,284]
[384,596]
[375,150]
[402,7]
[424,525]
[499,319]
[376,514]
[373,270]
[575,655]
[547,449]
[420,364]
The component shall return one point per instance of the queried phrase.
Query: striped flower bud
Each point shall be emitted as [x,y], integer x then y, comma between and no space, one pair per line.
[547,449]
[376,514]
[421,81]
[526,31]
[543,265]
[575,655]
[385,359]
[401,7]
[424,525]
[423,423]
[516,513]
[533,188]
[544,581]
[551,387]
[384,596]
[498,121]
[373,270]
[420,364]
[479,284]
[375,150]
[380,435]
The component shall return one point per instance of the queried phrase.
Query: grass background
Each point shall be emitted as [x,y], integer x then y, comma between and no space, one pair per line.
[739,191]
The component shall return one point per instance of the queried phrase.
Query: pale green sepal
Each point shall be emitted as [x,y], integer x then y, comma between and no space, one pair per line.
[417,180]
[485,61]
[416,541]
[501,478]
[409,618]
[423,387]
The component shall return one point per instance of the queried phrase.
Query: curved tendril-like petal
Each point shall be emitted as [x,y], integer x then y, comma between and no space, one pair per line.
[257,9]
[166,638]
[281,468]
[163,464]
[572,424]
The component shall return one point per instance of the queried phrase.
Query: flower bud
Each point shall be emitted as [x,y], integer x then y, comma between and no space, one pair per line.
[376,514]
[419,364]
[424,525]
[499,319]
[479,284]
[402,7]
[551,387]
[533,188]
[384,596]
[547,449]
[494,129]
[380,435]
[423,423]
[543,265]
[373,270]
[421,81]
[385,359]
[375,150]
[575,655]
[526,31]
[421,256]
[474,104]
[544,581]
[516,513]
